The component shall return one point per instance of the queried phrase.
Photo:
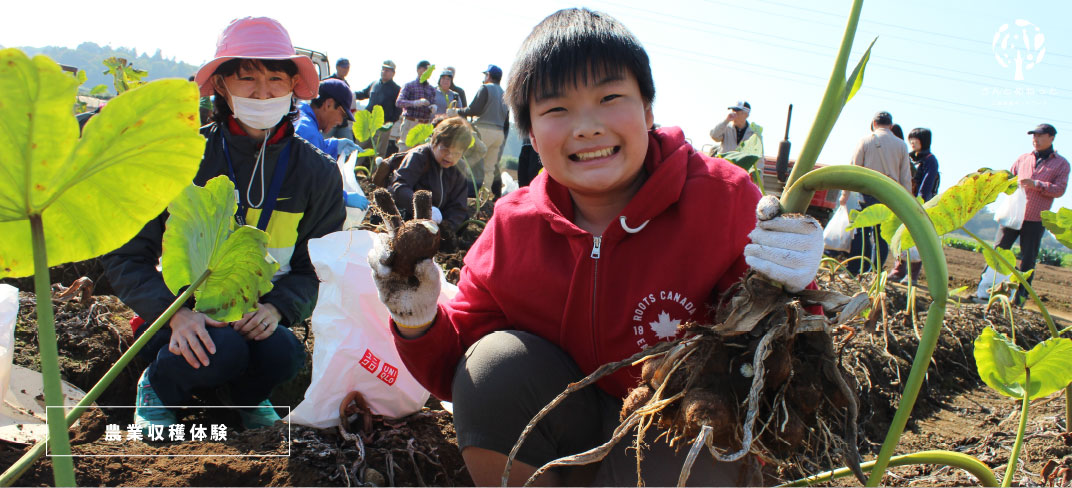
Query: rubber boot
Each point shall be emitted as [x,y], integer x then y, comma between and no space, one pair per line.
[917,268]
[899,271]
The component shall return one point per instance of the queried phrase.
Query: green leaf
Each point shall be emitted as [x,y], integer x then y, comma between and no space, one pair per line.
[363,128]
[377,116]
[1050,363]
[427,74]
[1060,224]
[856,79]
[871,216]
[100,89]
[754,144]
[386,126]
[418,134]
[957,205]
[1001,363]
[367,153]
[95,193]
[745,161]
[200,236]
[996,263]
[80,76]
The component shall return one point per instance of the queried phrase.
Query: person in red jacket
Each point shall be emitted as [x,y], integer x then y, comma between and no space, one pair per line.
[628,233]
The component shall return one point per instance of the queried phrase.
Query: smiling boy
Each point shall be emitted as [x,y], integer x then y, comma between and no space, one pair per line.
[627,234]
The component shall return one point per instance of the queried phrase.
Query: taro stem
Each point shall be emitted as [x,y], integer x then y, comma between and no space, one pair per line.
[16,470]
[855,178]
[62,462]
[1015,456]
[948,458]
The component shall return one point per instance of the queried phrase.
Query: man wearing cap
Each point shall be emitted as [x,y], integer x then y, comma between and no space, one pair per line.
[444,94]
[735,129]
[886,153]
[493,122]
[329,110]
[384,92]
[342,68]
[416,99]
[1043,175]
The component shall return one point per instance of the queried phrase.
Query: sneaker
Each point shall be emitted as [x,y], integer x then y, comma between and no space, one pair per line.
[150,409]
[262,416]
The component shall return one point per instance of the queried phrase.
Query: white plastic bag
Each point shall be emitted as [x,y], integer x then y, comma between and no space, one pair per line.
[1010,213]
[508,183]
[9,311]
[990,277]
[835,237]
[354,216]
[354,347]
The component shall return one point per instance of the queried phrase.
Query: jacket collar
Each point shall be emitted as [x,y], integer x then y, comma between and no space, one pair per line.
[281,130]
[666,163]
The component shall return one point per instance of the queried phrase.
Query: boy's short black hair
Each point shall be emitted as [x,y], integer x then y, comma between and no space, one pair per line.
[923,135]
[567,48]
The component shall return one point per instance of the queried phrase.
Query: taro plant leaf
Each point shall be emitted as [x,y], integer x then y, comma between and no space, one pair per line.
[98,90]
[95,193]
[362,125]
[1003,365]
[856,79]
[1060,224]
[418,134]
[957,205]
[745,161]
[869,217]
[201,235]
[996,263]
[427,74]
[80,75]
[367,153]
[1000,363]
[377,116]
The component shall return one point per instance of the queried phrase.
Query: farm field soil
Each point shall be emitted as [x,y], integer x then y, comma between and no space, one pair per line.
[955,411]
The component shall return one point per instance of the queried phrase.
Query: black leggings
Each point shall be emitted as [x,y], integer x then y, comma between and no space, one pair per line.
[1030,235]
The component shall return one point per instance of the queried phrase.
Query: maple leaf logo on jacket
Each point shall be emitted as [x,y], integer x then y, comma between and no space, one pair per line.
[664,328]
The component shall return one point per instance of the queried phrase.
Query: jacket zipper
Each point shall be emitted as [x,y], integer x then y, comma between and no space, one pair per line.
[597,241]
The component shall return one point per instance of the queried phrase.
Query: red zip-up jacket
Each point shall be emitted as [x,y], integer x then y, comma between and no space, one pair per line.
[600,298]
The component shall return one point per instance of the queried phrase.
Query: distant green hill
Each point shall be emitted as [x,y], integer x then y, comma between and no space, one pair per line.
[89,56]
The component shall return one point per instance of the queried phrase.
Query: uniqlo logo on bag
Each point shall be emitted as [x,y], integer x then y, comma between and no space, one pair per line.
[389,374]
[370,362]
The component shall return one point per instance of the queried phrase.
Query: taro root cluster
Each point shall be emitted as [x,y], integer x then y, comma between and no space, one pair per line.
[412,241]
[789,402]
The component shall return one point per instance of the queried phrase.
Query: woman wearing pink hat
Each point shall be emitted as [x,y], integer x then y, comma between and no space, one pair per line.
[285,187]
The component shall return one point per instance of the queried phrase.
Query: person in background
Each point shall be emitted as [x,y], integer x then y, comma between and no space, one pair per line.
[924,185]
[330,109]
[897,131]
[416,100]
[528,162]
[884,152]
[1043,175]
[433,166]
[345,130]
[493,123]
[735,129]
[342,68]
[445,94]
[462,101]
[384,92]
[255,77]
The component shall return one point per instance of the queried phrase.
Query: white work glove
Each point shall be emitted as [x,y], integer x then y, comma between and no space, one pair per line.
[411,299]
[410,307]
[422,102]
[452,112]
[785,248]
[433,107]
[437,216]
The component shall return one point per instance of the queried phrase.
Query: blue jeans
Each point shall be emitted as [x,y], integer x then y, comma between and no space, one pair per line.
[250,368]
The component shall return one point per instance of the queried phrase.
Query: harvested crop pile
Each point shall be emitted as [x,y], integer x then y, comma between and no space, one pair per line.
[764,380]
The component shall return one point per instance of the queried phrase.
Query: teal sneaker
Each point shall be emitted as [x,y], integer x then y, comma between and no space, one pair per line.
[150,410]
[262,416]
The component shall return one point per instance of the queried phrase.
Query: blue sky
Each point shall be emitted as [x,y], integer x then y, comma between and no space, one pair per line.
[934,64]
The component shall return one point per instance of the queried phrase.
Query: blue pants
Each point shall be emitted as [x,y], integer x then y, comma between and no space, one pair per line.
[250,368]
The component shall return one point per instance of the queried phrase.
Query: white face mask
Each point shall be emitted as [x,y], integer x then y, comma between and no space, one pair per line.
[261,114]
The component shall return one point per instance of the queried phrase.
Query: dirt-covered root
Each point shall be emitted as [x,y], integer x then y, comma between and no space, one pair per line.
[768,384]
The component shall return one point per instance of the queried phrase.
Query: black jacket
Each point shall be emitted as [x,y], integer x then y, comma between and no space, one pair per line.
[384,95]
[310,205]
[420,171]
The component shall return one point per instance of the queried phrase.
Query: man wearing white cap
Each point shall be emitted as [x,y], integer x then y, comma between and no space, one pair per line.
[734,129]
